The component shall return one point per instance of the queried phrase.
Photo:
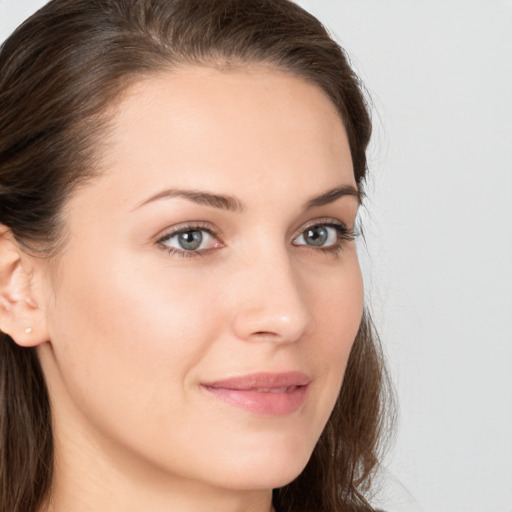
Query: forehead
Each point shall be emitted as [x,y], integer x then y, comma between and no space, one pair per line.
[252,127]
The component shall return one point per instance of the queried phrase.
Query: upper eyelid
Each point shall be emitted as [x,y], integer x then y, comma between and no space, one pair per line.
[322,220]
[319,222]
[187,226]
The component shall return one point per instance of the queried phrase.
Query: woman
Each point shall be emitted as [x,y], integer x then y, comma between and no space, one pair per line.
[181,301]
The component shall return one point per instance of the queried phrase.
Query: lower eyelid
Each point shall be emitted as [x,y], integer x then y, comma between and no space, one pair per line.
[344,235]
[213,241]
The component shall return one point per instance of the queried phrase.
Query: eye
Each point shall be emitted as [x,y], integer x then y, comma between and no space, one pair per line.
[189,240]
[327,235]
[318,236]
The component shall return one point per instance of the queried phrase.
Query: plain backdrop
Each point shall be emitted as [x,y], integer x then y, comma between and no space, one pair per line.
[438,223]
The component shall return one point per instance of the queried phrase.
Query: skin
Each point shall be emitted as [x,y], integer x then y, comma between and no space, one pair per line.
[127,331]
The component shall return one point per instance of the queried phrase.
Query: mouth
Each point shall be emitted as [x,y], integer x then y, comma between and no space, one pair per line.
[265,394]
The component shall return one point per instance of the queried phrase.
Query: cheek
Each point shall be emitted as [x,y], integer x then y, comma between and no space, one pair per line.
[337,309]
[338,306]
[124,339]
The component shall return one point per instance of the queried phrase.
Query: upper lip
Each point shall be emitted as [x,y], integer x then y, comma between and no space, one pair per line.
[261,380]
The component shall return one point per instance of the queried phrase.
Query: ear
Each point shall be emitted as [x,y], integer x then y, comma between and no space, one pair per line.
[20,315]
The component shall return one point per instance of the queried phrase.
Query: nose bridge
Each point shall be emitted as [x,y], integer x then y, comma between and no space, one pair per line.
[271,300]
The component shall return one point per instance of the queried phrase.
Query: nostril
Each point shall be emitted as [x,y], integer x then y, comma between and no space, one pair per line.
[265,334]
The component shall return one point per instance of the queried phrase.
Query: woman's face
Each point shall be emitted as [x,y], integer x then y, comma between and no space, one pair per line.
[208,293]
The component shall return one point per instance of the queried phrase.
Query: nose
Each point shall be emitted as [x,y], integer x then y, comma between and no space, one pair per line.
[271,302]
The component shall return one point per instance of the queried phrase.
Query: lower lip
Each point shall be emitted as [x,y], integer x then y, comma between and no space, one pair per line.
[265,403]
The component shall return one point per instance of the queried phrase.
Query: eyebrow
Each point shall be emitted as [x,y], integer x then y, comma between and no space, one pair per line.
[231,203]
[334,194]
[222,202]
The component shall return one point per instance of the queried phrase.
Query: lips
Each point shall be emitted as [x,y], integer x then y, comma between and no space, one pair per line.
[267,394]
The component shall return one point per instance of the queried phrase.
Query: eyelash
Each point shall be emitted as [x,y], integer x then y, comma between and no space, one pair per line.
[343,233]
[181,229]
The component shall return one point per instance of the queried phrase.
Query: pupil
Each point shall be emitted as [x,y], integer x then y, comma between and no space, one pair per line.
[190,240]
[316,236]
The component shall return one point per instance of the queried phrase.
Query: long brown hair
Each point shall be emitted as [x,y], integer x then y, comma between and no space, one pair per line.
[60,72]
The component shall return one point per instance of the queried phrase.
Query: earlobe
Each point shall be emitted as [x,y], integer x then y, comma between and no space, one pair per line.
[20,315]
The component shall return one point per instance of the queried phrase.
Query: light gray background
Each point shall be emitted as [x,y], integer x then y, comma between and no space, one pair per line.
[439,231]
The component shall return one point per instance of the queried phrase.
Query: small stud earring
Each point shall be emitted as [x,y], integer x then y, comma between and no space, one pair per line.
[28,330]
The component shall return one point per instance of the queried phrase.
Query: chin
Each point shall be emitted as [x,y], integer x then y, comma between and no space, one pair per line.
[270,477]
[268,466]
